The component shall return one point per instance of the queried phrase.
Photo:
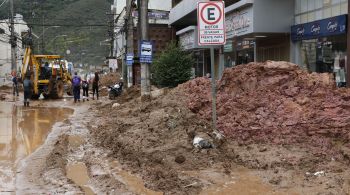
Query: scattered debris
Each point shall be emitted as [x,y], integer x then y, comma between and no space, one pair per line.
[115,105]
[199,142]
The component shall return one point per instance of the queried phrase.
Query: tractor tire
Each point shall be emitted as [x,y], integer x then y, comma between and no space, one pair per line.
[57,90]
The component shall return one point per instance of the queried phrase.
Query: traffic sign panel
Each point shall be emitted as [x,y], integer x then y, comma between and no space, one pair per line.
[211,23]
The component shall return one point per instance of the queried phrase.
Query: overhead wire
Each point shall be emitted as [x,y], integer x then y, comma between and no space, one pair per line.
[3,3]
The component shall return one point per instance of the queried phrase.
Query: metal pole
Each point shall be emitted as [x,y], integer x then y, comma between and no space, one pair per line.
[13,40]
[129,39]
[347,69]
[145,72]
[213,88]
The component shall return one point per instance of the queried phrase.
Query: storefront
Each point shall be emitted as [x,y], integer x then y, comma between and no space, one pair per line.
[322,46]
[256,33]
[188,40]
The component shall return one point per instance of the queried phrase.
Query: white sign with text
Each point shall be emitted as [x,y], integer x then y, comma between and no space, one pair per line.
[211,23]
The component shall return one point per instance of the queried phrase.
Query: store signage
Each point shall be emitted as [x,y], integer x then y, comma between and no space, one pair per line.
[155,14]
[239,23]
[146,52]
[187,40]
[228,47]
[245,44]
[129,59]
[322,28]
[211,23]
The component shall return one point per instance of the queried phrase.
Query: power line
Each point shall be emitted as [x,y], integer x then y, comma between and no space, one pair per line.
[64,25]
[3,3]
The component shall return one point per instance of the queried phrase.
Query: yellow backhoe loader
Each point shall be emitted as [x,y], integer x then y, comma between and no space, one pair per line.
[49,74]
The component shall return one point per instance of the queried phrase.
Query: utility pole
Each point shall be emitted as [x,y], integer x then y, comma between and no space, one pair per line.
[145,70]
[348,53]
[13,39]
[129,37]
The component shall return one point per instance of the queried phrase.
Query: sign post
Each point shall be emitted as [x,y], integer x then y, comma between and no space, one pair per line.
[211,32]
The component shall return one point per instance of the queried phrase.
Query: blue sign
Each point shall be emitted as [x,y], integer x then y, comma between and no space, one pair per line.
[146,52]
[129,59]
[321,28]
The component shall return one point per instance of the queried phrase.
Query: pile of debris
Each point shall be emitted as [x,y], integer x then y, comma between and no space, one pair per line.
[278,103]
[108,80]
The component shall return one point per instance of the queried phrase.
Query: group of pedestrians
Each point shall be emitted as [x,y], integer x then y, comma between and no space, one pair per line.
[78,83]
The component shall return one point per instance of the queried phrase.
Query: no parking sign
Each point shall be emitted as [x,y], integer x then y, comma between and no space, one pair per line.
[211,23]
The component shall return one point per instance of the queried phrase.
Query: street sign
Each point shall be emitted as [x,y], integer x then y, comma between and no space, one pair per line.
[146,52]
[129,59]
[211,23]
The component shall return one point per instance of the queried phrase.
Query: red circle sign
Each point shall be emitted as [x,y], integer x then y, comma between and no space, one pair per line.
[217,7]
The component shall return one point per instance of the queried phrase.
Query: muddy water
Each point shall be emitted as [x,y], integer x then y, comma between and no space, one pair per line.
[239,182]
[22,131]
[77,172]
[135,184]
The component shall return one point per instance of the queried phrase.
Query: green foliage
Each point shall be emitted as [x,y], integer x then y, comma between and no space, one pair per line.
[172,67]
[67,14]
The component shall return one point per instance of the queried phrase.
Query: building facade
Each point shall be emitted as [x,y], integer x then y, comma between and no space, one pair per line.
[256,31]
[127,41]
[319,36]
[5,46]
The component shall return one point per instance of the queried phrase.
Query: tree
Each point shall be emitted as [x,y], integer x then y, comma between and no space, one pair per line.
[172,67]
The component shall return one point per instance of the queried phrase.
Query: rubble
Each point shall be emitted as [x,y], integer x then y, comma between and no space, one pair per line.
[277,103]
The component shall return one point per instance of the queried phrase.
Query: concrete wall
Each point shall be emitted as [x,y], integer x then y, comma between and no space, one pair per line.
[273,16]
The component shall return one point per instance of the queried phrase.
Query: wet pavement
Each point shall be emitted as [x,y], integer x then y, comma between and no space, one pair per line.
[22,131]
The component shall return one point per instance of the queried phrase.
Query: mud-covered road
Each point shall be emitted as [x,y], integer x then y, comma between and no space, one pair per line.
[53,147]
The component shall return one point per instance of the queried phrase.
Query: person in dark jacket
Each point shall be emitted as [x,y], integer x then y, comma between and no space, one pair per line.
[95,83]
[85,85]
[27,88]
[76,81]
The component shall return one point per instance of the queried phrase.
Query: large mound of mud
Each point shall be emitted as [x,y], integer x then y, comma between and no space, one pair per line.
[109,79]
[275,102]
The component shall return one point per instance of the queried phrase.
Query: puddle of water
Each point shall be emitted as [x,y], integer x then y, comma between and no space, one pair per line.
[75,141]
[22,131]
[77,172]
[240,182]
[134,183]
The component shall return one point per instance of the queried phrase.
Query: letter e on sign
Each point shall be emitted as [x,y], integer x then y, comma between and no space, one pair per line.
[211,23]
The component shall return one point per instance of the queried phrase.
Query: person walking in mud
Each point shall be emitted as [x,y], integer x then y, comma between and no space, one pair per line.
[95,83]
[15,83]
[27,88]
[76,81]
[85,85]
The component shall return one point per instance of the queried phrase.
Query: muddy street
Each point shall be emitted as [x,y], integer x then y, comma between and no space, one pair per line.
[23,131]
[131,146]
